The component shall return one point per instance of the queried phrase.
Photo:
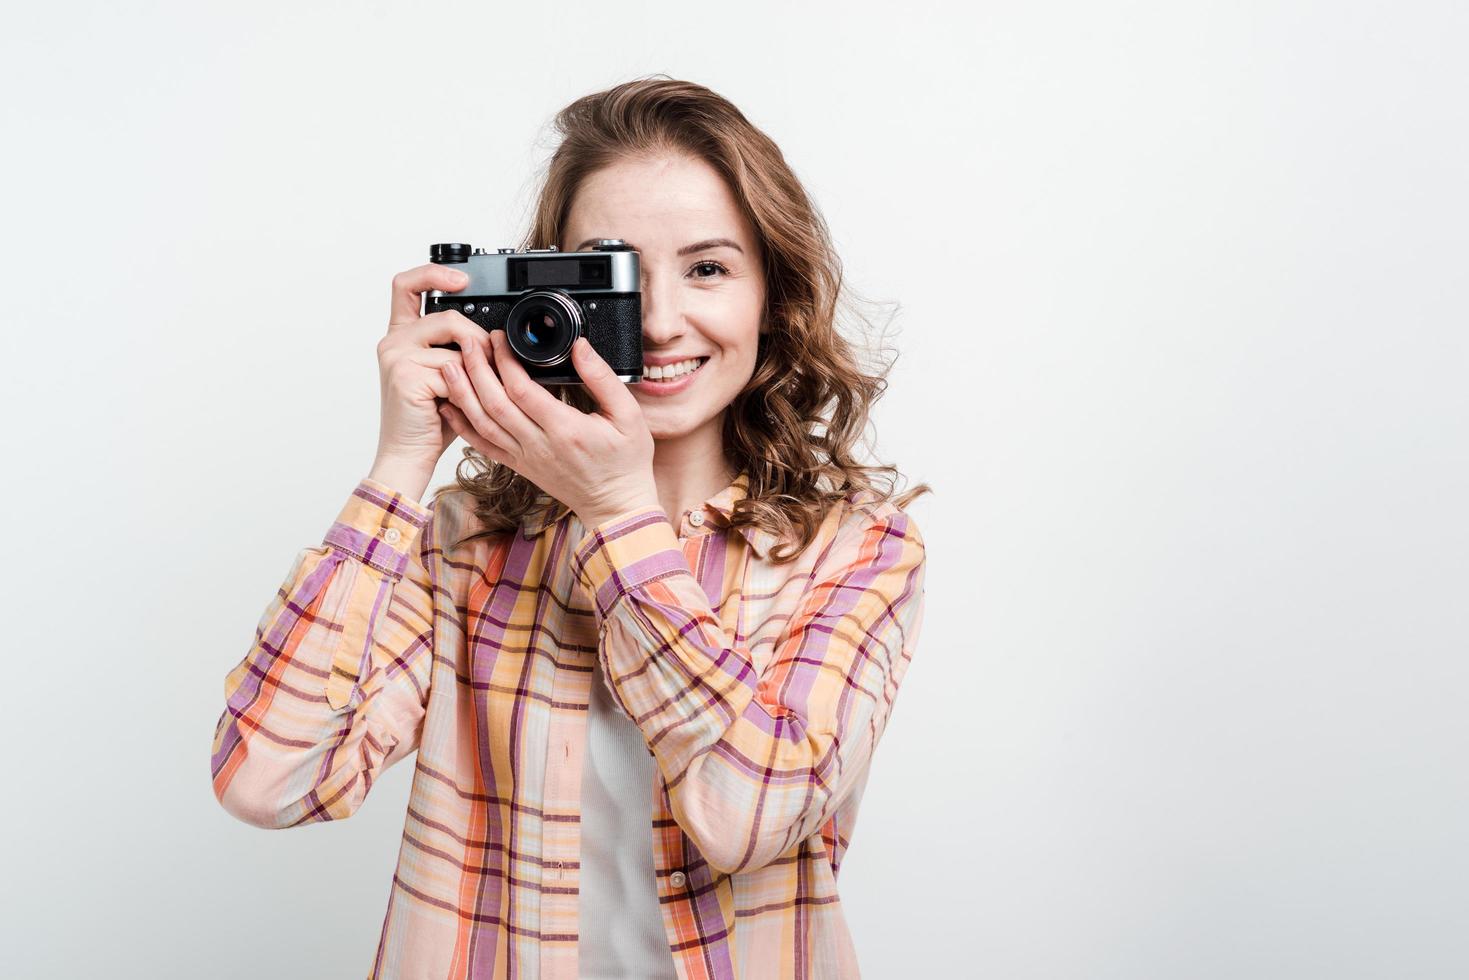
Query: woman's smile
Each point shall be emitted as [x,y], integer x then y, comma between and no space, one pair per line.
[670,379]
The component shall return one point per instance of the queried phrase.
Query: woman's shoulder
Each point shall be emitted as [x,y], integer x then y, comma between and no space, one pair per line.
[864,512]
[866,506]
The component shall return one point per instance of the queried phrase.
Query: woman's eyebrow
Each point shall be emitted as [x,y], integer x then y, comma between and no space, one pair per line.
[703,246]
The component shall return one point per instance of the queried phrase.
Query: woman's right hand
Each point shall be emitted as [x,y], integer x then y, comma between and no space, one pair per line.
[412,435]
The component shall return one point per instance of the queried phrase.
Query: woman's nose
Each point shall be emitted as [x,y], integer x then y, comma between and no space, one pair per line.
[661,320]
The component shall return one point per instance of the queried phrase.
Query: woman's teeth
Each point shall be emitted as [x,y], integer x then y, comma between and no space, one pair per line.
[672,372]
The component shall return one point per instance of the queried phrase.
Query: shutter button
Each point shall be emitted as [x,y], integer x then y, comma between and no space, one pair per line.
[697,518]
[677,879]
[391,535]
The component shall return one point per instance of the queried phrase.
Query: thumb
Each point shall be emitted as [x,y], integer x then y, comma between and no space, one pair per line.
[611,393]
[447,434]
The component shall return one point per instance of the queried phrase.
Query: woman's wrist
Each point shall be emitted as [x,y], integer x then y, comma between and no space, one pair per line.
[594,515]
[409,479]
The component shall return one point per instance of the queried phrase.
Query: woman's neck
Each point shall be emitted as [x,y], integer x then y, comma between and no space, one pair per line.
[691,469]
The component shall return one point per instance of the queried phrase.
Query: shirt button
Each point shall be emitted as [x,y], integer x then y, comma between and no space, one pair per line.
[696,518]
[391,535]
[678,879]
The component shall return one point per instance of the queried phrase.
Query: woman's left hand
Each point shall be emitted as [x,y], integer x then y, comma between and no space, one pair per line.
[599,464]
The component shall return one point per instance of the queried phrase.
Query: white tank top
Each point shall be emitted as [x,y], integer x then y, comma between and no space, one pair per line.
[620,927]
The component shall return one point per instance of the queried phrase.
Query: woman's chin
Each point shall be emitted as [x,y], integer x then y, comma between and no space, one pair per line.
[667,422]
[664,433]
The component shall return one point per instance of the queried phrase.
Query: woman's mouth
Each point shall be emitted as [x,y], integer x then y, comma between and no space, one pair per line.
[671,378]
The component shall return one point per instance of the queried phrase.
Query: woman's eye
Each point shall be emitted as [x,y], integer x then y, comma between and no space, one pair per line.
[707,265]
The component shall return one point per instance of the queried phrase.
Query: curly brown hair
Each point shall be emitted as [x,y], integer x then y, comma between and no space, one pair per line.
[794,427]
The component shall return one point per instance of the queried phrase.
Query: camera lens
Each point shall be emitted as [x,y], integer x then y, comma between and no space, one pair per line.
[539,341]
[542,326]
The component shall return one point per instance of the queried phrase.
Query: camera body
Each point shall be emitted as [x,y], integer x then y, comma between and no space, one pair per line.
[544,299]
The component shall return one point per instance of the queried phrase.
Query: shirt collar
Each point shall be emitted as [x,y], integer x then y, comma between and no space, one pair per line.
[719,507]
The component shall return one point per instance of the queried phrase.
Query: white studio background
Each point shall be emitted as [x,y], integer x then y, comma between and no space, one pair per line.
[1182,310]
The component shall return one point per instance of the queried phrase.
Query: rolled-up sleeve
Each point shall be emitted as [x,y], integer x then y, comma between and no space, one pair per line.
[756,762]
[334,687]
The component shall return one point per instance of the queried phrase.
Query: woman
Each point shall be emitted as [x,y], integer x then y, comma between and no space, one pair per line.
[646,650]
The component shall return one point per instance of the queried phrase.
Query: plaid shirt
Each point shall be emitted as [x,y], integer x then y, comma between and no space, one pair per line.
[761,690]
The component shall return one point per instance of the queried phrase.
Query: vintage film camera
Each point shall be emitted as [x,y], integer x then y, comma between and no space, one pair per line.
[544,299]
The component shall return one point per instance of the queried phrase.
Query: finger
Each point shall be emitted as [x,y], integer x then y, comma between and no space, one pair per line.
[466,398]
[531,397]
[616,402]
[447,432]
[409,287]
[442,327]
[497,402]
[461,427]
[436,358]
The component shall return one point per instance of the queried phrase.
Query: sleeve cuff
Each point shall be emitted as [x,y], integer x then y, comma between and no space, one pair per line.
[626,553]
[378,526]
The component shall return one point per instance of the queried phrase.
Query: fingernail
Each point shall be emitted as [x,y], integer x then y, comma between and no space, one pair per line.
[460,276]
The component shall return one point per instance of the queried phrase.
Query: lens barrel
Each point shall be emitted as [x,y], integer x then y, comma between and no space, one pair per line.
[543,325]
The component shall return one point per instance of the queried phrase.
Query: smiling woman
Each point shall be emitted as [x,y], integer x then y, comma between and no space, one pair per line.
[645,652]
[738,268]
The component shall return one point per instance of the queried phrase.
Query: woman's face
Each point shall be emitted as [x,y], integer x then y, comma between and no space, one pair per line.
[703,281]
